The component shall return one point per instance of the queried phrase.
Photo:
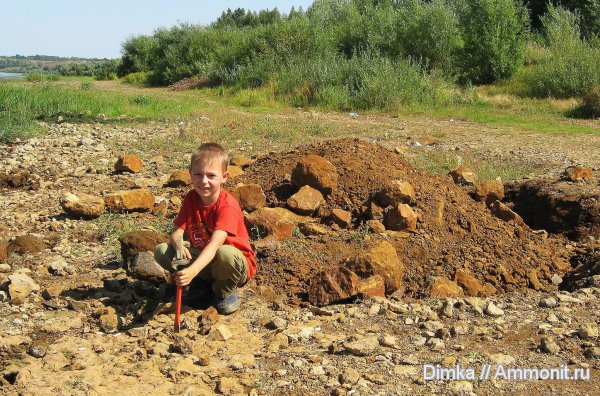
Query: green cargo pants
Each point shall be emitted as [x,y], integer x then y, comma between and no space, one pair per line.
[227,271]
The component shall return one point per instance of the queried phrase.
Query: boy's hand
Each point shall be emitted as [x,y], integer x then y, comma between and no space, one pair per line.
[184,277]
[186,254]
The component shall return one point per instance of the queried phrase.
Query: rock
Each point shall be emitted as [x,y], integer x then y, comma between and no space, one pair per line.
[5,268]
[349,376]
[135,242]
[578,174]
[311,229]
[37,351]
[379,258]
[556,280]
[250,196]
[220,333]
[500,358]
[58,266]
[140,200]
[342,218]
[534,283]
[276,222]
[179,178]
[400,218]
[362,347]
[26,244]
[375,226]
[175,200]
[489,191]
[461,388]
[387,341]
[52,291]
[448,308]
[549,302]
[306,201]
[333,285]
[588,331]
[492,310]
[207,320]
[317,172]
[234,171]
[373,286]
[3,296]
[82,205]
[459,329]
[20,287]
[3,252]
[463,175]
[592,353]
[144,266]
[316,370]
[549,345]
[128,163]
[230,386]
[108,321]
[397,192]
[503,212]
[468,283]
[241,161]
[277,324]
[444,287]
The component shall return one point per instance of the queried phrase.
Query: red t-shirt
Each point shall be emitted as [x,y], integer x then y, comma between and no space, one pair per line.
[200,221]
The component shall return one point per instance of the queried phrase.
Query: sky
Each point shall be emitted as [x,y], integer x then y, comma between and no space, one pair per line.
[96,29]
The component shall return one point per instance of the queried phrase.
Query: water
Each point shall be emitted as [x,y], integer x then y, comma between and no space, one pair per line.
[11,76]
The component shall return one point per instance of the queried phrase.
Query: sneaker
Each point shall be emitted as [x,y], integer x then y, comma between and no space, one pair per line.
[228,304]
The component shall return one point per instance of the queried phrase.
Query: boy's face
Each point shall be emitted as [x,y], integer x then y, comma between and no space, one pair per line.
[207,180]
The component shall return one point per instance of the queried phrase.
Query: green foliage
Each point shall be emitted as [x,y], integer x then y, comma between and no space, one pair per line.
[494,33]
[587,10]
[591,102]
[138,79]
[570,66]
[86,85]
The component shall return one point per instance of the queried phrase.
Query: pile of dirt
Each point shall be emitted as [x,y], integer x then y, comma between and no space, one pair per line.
[191,83]
[456,240]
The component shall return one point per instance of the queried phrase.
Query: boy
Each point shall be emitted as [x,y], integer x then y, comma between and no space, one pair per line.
[219,246]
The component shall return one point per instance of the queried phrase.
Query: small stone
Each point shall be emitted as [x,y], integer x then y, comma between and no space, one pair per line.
[306,201]
[556,280]
[317,370]
[128,163]
[588,331]
[349,376]
[448,308]
[464,176]
[500,358]
[221,333]
[492,310]
[53,291]
[82,205]
[362,347]
[342,218]
[459,329]
[277,324]
[592,353]
[58,266]
[4,268]
[108,320]
[387,341]
[549,345]
[375,310]
[20,287]
[549,302]
[37,351]
[461,388]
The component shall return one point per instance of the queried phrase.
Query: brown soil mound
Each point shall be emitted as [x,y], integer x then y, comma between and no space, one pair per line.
[454,232]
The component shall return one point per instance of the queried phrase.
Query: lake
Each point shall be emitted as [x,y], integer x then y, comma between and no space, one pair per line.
[11,76]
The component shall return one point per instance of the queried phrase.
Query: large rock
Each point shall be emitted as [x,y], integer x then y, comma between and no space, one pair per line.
[333,285]
[317,172]
[463,175]
[20,287]
[241,161]
[140,241]
[578,174]
[140,200]
[250,196]
[379,258]
[341,217]
[444,287]
[234,171]
[503,212]
[396,192]
[470,285]
[400,218]
[179,178]
[306,201]
[82,205]
[144,266]
[372,287]
[26,244]
[489,191]
[276,222]
[128,163]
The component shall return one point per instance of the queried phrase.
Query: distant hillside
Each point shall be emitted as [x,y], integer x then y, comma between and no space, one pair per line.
[37,63]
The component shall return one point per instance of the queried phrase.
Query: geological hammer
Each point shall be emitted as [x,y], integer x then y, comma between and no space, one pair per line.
[178,264]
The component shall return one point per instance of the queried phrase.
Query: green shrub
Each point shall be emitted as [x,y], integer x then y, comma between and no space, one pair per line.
[494,33]
[138,79]
[570,65]
[34,77]
[591,102]
[86,85]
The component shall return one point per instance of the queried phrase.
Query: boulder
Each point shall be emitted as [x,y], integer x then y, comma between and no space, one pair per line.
[489,191]
[333,285]
[144,266]
[396,192]
[470,285]
[179,178]
[306,201]
[140,200]
[463,175]
[578,174]
[444,287]
[135,242]
[311,229]
[317,172]
[276,222]
[379,258]
[20,287]
[241,161]
[26,244]
[342,218]
[503,212]
[250,196]
[373,286]
[376,226]
[234,171]
[400,218]
[128,163]
[82,205]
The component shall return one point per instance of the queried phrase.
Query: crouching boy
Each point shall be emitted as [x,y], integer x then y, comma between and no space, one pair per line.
[219,247]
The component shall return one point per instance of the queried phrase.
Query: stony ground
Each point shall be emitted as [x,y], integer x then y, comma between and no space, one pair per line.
[60,340]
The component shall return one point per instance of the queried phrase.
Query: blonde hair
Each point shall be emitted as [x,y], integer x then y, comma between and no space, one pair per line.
[207,153]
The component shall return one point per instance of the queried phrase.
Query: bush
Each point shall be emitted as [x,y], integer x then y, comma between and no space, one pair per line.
[138,79]
[494,33]
[570,65]
[591,102]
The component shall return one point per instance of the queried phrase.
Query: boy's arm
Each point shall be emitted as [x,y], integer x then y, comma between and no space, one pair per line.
[185,276]
[174,237]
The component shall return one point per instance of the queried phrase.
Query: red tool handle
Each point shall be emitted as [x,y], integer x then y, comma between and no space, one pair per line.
[177,308]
